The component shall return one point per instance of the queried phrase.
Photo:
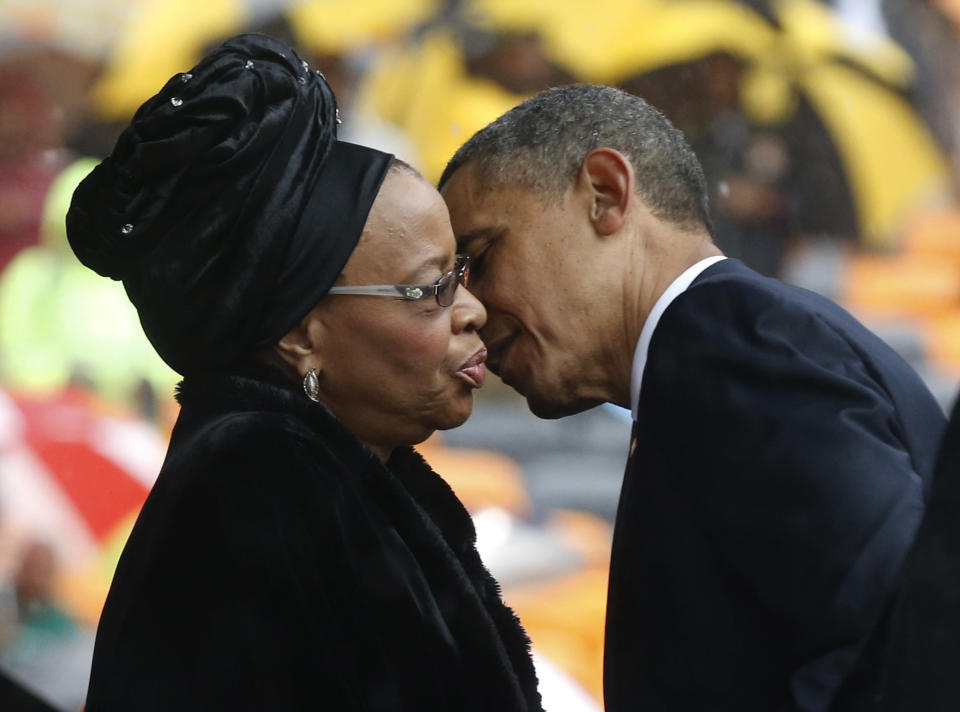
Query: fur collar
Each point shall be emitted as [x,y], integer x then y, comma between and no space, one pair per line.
[263,388]
[426,513]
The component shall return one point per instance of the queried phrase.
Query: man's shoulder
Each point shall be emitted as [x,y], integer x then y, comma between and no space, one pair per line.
[729,299]
[741,328]
[731,281]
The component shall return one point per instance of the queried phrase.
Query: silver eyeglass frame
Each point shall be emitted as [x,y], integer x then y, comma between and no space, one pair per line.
[412,292]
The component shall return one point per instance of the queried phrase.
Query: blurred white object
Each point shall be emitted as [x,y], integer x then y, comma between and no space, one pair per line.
[863,19]
[83,27]
[559,691]
[623,414]
[517,552]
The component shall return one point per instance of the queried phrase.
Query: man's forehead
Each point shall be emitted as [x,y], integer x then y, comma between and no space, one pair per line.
[464,185]
[469,200]
[479,180]
[470,187]
[482,220]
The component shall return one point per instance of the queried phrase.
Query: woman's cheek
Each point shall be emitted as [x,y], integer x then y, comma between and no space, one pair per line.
[419,351]
[428,347]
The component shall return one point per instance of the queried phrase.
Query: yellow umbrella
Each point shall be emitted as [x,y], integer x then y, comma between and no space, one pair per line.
[161,38]
[605,42]
[608,41]
[336,26]
[426,91]
[892,162]
[893,165]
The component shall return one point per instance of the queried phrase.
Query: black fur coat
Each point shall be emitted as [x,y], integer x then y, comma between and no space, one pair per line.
[279,565]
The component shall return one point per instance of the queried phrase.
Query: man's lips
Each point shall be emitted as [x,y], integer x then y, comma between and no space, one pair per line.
[497,351]
[474,370]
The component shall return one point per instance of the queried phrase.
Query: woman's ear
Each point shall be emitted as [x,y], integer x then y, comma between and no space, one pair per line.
[607,181]
[299,348]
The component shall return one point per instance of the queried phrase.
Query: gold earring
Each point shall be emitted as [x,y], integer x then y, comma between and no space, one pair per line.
[311,385]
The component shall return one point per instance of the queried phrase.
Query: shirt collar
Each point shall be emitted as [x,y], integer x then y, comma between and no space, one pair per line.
[676,288]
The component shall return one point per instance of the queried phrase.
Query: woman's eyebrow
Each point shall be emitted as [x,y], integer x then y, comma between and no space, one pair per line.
[438,261]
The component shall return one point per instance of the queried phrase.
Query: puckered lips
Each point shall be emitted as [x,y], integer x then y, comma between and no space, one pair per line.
[474,369]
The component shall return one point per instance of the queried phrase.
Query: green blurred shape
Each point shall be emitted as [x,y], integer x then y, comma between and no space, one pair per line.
[60,320]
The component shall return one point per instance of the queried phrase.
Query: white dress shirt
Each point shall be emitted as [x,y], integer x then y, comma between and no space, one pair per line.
[676,288]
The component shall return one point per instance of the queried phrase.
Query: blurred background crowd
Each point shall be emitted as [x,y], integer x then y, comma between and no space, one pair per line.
[830,138]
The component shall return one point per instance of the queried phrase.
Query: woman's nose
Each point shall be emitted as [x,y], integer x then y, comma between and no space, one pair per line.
[468,313]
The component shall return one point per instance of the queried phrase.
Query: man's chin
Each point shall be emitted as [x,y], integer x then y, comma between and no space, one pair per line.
[551,409]
[542,400]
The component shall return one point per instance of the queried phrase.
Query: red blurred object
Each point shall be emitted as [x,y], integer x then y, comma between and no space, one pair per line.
[71,472]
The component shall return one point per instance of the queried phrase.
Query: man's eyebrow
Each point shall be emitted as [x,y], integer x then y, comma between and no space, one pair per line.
[464,241]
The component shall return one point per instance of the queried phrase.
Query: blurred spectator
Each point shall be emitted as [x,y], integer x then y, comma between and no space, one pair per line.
[767,185]
[516,60]
[62,325]
[47,651]
[44,88]
[927,35]
[345,55]
[29,155]
[749,198]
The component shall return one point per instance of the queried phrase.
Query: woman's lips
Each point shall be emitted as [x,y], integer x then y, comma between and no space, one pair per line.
[474,371]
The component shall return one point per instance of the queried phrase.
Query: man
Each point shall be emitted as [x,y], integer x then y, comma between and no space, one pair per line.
[775,478]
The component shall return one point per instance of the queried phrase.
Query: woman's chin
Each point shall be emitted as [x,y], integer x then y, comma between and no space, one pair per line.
[452,414]
[457,414]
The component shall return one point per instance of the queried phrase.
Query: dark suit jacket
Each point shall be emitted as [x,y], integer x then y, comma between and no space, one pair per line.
[912,662]
[776,485]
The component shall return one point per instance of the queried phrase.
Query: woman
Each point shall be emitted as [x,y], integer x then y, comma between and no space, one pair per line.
[295,552]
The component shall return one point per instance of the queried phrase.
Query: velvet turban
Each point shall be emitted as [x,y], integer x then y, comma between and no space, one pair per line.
[228,208]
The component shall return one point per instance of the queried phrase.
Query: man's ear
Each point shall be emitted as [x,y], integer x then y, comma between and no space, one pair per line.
[607,182]
[299,348]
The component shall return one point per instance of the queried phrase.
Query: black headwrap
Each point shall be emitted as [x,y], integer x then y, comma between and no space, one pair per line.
[228,208]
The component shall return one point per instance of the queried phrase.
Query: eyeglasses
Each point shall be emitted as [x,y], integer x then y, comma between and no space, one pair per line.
[443,289]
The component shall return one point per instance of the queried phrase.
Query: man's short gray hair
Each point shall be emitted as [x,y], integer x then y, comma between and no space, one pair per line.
[541,144]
